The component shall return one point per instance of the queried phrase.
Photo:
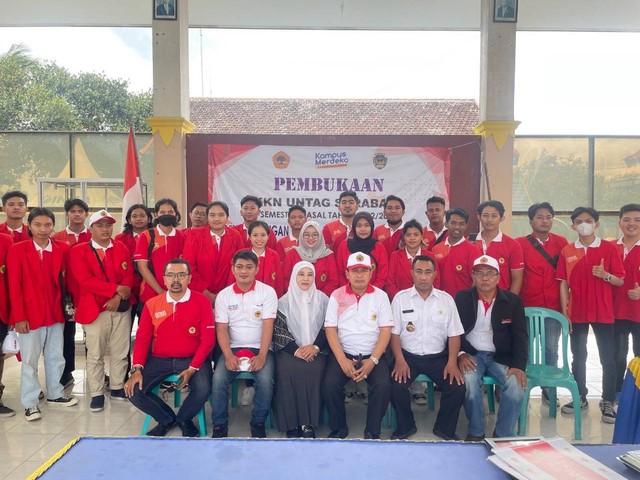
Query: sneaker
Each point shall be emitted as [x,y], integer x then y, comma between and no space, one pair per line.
[364,397]
[545,397]
[6,411]
[258,431]
[63,401]
[189,429]
[371,436]
[247,396]
[340,433]
[41,395]
[32,413]
[294,433]
[419,398]
[220,431]
[118,394]
[308,431]
[398,435]
[608,414]
[348,396]
[568,407]
[97,403]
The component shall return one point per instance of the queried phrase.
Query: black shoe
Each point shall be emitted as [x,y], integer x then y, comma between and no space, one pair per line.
[66,380]
[188,429]
[398,435]
[342,433]
[258,431]
[568,407]
[97,403]
[220,431]
[63,401]
[494,434]
[471,438]
[371,436]
[161,430]
[439,433]
[308,431]
[118,394]
[293,433]
[545,397]
[6,411]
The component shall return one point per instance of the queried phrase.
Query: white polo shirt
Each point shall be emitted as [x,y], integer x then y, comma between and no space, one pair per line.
[424,326]
[245,312]
[358,320]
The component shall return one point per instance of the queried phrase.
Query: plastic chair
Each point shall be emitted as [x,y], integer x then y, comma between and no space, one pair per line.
[177,396]
[490,383]
[541,375]
[234,395]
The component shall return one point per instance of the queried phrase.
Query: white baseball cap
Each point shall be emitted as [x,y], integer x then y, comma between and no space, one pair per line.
[99,215]
[358,260]
[488,261]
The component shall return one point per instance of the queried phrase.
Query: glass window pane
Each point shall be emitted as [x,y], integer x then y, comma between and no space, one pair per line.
[617,172]
[561,226]
[553,170]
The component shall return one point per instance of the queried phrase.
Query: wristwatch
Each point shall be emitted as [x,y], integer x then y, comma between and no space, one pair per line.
[375,360]
[607,278]
[135,368]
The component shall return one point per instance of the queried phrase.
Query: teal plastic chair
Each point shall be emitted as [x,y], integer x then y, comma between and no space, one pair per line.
[541,375]
[490,384]
[234,395]
[177,396]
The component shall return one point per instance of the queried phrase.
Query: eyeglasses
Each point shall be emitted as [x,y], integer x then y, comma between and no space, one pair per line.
[311,235]
[489,274]
[179,275]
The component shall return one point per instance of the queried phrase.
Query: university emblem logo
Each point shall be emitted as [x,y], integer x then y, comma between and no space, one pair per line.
[374,317]
[459,268]
[379,161]
[192,330]
[360,258]
[273,276]
[501,260]
[124,265]
[3,268]
[484,260]
[257,314]
[323,277]
[281,160]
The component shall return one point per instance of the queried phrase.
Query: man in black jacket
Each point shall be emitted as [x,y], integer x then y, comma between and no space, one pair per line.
[495,343]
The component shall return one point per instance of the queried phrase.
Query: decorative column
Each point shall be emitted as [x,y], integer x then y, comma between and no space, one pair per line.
[170,123]
[497,126]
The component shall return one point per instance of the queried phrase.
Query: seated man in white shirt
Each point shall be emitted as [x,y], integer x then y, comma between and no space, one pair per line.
[426,340]
[358,327]
[244,312]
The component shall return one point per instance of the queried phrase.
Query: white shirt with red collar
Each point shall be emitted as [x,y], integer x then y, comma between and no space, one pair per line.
[358,318]
[244,312]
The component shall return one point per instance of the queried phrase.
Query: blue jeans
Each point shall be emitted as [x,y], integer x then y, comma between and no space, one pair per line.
[552,331]
[511,397]
[264,382]
[154,372]
[48,341]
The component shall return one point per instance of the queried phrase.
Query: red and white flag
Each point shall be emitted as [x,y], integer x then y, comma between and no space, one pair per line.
[132,182]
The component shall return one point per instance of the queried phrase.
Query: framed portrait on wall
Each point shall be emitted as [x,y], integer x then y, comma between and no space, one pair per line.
[505,11]
[165,9]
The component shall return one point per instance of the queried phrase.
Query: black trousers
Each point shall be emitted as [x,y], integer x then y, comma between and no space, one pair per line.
[605,341]
[451,399]
[379,382]
[621,331]
[69,348]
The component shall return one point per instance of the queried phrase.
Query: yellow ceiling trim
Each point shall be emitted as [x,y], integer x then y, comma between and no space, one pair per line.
[500,129]
[168,126]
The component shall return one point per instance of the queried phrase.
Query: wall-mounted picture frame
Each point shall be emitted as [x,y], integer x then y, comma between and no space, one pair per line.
[505,11]
[165,9]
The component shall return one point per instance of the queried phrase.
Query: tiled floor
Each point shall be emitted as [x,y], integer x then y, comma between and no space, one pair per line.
[24,446]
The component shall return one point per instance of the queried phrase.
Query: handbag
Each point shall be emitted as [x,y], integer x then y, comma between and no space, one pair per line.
[10,345]
[124,304]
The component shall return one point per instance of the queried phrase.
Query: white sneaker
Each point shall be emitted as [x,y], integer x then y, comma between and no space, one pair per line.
[32,413]
[419,398]
[247,396]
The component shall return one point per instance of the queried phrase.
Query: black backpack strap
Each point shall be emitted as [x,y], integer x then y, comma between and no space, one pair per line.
[152,243]
[553,261]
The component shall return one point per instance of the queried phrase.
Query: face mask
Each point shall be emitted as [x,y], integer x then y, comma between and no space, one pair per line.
[168,220]
[585,229]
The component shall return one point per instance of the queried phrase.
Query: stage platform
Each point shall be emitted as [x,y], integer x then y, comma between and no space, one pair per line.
[136,458]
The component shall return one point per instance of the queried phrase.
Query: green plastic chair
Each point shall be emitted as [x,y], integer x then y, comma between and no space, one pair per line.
[270,422]
[202,426]
[541,375]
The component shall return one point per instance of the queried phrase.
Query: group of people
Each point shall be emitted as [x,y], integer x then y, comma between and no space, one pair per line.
[312,313]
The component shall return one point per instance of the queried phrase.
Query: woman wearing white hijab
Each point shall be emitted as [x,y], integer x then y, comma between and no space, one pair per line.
[300,345]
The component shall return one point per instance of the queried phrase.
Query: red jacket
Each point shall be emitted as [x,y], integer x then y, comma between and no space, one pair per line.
[70,239]
[5,243]
[130,241]
[391,242]
[94,290]
[380,264]
[210,265]
[326,271]
[285,245]
[26,284]
[17,237]
[624,307]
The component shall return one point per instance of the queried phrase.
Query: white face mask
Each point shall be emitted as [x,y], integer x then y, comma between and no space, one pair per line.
[585,229]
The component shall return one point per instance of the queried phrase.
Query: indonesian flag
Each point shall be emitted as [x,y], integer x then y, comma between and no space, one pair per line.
[132,182]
